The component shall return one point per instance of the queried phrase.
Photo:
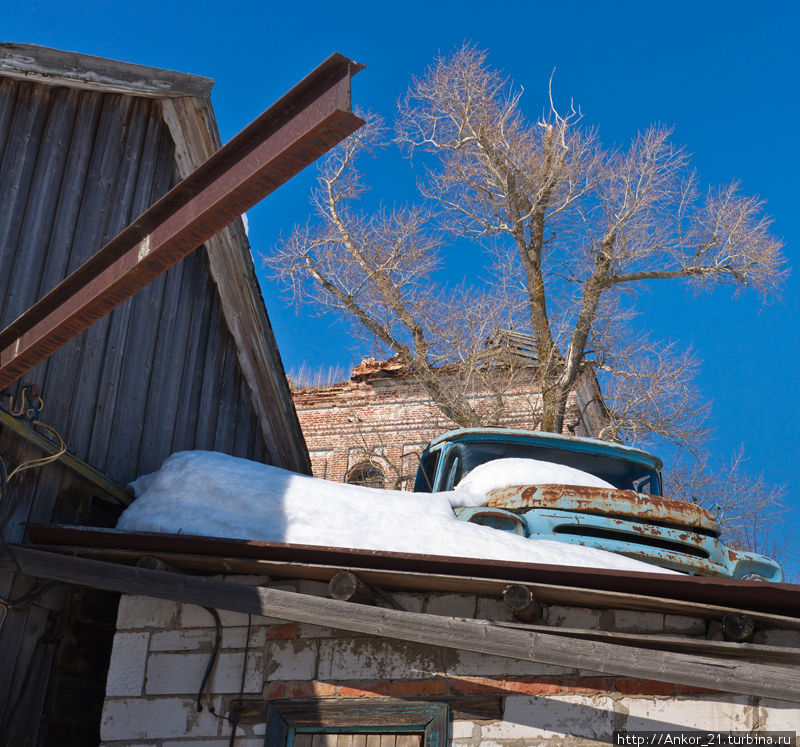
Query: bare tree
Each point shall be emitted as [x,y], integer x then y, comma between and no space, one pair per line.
[747,507]
[574,228]
[380,269]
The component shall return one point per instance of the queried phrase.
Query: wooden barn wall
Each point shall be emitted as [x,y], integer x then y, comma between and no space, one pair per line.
[157,375]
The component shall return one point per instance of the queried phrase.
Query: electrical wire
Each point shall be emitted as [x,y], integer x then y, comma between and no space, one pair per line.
[23,602]
[7,476]
[42,461]
[235,719]
[205,685]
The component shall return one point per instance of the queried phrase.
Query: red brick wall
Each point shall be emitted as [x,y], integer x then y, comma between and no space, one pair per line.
[390,420]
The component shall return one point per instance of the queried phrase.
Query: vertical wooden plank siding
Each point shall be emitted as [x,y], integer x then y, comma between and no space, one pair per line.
[159,374]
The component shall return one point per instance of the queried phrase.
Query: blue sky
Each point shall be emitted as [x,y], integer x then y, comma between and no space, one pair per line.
[724,74]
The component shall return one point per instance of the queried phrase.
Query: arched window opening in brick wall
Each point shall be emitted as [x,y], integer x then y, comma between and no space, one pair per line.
[368,474]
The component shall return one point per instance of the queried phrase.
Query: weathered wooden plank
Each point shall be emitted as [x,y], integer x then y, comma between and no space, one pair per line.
[73,376]
[70,461]
[67,201]
[32,62]
[373,740]
[198,298]
[305,123]
[470,635]
[348,587]
[8,99]
[18,640]
[388,740]
[751,651]
[224,435]
[67,204]
[133,383]
[209,374]
[17,166]
[50,160]
[325,740]
[415,581]
[194,131]
[302,740]
[124,128]
[476,708]
[408,740]
[244,414]
[181,298]
[22,719]
[15,505]
[114,358]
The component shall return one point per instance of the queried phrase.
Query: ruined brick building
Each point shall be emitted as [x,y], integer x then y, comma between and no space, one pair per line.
[371,429]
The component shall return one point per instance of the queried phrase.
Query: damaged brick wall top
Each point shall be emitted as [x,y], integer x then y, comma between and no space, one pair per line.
[384,418]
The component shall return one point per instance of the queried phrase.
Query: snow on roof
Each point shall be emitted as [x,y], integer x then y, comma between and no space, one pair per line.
[216,495]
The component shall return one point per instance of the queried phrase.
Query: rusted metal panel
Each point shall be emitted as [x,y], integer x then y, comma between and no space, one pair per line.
[606,502]
[672,534]
[303,125]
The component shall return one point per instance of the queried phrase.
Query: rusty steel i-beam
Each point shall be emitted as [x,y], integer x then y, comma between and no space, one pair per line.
[300,127]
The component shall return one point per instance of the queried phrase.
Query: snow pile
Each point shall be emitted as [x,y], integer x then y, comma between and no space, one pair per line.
[503,473]
[216,495]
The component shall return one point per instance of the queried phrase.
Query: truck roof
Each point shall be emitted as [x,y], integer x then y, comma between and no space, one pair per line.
[555,440]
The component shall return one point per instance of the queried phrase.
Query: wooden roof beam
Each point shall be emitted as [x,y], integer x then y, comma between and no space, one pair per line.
[304,124]
[56,67]
[745,677]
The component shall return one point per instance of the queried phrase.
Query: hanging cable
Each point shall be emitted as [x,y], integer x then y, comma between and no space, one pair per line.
[205,685]
[235,711]
[30,406]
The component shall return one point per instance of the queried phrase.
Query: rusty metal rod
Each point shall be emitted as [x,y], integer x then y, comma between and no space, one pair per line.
[303,125]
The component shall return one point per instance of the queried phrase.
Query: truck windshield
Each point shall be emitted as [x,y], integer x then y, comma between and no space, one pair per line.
[621,473]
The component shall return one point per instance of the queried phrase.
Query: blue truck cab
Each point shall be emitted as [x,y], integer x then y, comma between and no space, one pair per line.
[633,518]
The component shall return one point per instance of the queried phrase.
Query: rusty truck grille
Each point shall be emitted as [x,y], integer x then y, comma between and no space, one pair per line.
[610,534]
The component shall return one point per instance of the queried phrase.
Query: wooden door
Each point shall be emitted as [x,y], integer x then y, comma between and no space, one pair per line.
[357,740]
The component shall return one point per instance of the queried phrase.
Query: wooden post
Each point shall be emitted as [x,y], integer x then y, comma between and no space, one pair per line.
[347,587]
[521,603]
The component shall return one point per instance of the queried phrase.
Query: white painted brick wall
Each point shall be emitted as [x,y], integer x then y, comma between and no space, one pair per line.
[178,674]
[464,729]
[291,660]
[127,666]
[165,649]
[471,663]
[409,602]
[192,616]
[139,718]
[712,712]
[203,639]
[572,617]
[452,605]
[493,609]
[779,715]
[533,717]
[343,659]
[146,612]
[684,625]
[631,621]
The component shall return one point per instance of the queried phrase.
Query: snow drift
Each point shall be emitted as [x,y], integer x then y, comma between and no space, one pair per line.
[503,473]
[215,495]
